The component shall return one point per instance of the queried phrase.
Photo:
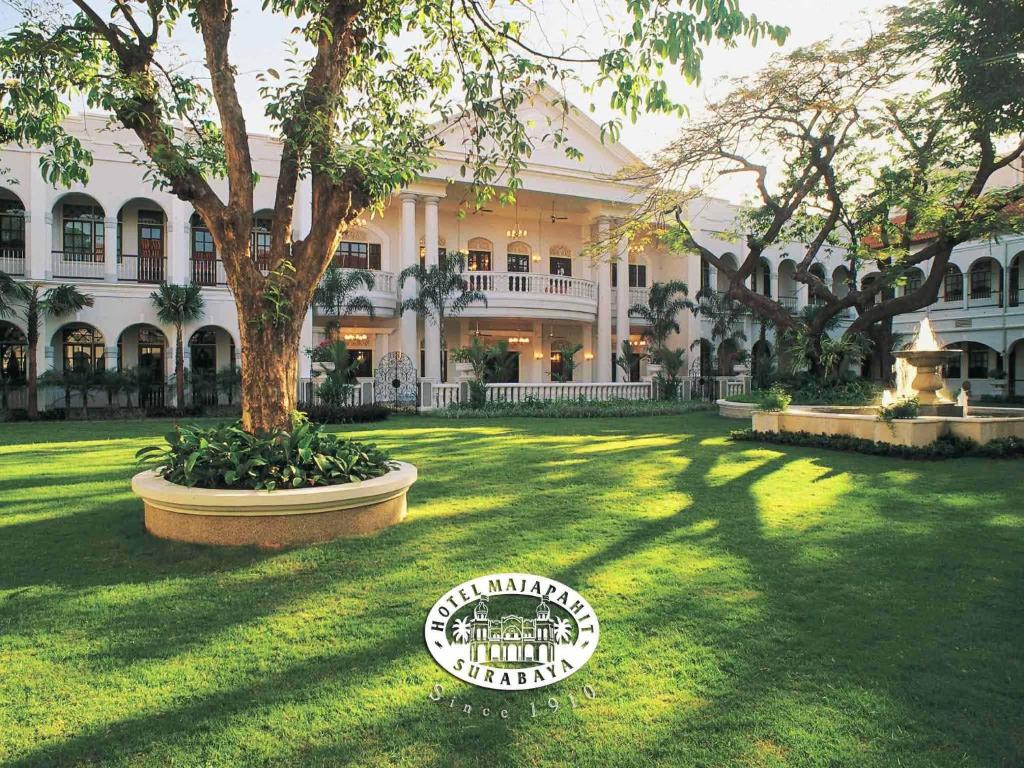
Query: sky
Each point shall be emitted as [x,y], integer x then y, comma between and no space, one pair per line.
[257,43]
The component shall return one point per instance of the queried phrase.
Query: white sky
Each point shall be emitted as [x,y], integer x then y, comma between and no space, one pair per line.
[258,44]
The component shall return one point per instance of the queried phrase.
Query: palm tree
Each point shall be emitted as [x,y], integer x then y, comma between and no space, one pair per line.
[442,292]
[562,631]
[726,331]
[673,367]
[664,303]
[177,305]
[336,294]
[460,630]
[38,305]
[568,351]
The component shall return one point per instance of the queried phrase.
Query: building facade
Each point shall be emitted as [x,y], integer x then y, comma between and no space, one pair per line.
[116,237]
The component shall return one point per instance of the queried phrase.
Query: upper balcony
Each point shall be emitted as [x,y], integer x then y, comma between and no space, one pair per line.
[525,294]
[637,295]
[383,296]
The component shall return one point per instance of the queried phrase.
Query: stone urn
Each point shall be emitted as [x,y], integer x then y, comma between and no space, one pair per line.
[463,371]
[928,381]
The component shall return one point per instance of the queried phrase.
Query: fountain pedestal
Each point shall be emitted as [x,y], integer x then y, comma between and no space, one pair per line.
[927,380]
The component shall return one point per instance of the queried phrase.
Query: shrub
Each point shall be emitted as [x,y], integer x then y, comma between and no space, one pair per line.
[946,447]
[808,390]
[226,456]
[347,414]
[774,399]
[572,409]
[908,408]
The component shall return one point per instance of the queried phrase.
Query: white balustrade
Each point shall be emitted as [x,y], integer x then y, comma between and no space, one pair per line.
[12,261]
[445,395]
[638,390]
[77,265]
[512,283]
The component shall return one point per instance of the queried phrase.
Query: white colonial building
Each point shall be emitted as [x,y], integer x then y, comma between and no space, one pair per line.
[115,237]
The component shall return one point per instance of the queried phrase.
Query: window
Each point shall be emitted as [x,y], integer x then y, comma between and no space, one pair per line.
[561,266]
[362,360]
[479,261]
[953,284]
[202,349]
[357,255]
[637,276]
[981,281]
[951,370]
[977,363]
[12,225]
[479,257]
[259,241]
[204,254]
[765,274]
[914,281]
[518,262]
[82,232]
[151,234]
[83,350]
[705,275]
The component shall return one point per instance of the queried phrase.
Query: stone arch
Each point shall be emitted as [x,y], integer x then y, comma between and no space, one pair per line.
[141,240]
[79,347]
[79,237]
[12,233]
[840,281]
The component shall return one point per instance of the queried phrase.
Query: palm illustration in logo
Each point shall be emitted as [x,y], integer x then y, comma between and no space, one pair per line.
[562,630]
[460,630]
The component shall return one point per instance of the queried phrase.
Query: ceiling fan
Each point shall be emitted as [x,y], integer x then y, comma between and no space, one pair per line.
[555,218]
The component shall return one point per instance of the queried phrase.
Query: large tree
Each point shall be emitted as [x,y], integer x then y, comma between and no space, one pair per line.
[370,86]
[885,149]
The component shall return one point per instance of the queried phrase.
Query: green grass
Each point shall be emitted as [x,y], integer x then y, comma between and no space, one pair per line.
[760,606]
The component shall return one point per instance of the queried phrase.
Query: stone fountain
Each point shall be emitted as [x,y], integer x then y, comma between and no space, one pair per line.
[917,375]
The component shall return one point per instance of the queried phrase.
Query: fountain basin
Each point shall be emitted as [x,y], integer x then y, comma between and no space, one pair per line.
[986,425]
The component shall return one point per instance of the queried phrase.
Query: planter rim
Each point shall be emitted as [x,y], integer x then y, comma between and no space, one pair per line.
[157,491]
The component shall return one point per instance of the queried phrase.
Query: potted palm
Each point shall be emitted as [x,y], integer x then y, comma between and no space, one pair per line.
[664,303]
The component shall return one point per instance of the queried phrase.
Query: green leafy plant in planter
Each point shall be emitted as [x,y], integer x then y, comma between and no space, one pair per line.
[339,384]
[774,399]
[908,408]
[226,456]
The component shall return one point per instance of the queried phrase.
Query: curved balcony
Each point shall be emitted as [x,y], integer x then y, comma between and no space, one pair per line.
[636,296]
[384,295]
[533,295]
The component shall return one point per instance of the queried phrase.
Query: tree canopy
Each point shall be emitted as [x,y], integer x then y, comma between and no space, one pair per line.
[882,150]
[368,90]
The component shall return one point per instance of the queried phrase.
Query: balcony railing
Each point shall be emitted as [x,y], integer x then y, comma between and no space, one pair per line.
[208,272]
[141,269]
[77,265]
[506,283]
[12,261]
[789,302]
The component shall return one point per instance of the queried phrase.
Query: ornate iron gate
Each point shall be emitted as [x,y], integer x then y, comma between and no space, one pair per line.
[394,382]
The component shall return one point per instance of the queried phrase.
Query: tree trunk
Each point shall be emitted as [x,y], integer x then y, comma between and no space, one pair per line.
[33,373]
[179,368]
[270,369]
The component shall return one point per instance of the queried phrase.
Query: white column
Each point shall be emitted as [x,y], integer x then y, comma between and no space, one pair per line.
[38,226]
[110,250]
[432,334]
[179,247]
[602,354]
[407,325]
[621,298]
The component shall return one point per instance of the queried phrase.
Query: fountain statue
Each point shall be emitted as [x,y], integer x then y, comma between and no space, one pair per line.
[925,356]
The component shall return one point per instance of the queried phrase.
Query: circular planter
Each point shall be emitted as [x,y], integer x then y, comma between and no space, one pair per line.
[273,518]
[731,410]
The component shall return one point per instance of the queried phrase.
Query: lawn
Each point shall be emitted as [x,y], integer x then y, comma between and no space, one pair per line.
[759,607]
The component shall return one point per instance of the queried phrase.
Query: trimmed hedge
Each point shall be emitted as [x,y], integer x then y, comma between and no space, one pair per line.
[345,414]
[946,447]
[572,409]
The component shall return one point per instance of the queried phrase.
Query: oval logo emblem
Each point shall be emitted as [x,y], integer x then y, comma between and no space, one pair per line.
[512,631]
